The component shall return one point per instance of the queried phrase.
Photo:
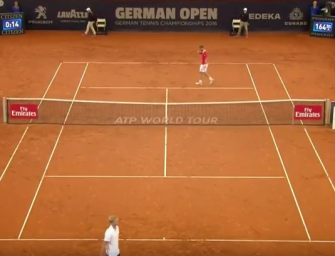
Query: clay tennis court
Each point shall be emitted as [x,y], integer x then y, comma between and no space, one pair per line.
[178,190]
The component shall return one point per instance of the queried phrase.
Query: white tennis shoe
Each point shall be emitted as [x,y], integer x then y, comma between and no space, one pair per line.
[211,81]
[198,83]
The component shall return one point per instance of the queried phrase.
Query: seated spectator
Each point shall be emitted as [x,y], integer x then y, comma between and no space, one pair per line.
[16,7]
[315,9]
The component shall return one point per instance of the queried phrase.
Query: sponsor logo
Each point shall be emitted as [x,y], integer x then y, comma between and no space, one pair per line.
[41,18]
[308,112]
[151,16]
[296,18]
[23,111]
[2,3]
[166,120]
[72,16]
[321,34]
[264,16]
[320,18]
[7,16]
[13,32]
[131,13]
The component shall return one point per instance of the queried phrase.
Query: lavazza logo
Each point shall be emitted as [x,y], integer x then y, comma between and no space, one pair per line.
[296,17]
[41,18]
[72,16]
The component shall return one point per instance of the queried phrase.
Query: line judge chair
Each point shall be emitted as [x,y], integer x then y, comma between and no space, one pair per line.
[235,25]
[101,26]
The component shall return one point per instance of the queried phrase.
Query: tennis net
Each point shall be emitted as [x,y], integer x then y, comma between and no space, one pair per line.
[87,112]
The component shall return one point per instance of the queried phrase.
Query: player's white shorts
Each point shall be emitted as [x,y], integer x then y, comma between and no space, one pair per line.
[203,68]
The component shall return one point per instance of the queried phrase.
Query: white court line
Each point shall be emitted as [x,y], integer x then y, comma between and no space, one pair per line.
[143,240]
[279,155]
[306,132]
[51,155]
[27,128]
[160,177]
[166,130]
[160,63]
[164,88]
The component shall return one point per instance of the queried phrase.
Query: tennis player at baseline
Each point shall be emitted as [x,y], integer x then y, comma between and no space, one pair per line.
[111,240]
[203,66]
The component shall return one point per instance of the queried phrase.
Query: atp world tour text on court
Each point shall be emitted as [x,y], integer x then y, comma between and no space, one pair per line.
[166,120]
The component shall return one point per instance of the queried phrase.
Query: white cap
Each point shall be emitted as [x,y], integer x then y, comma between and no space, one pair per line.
[88,9]
[245,9]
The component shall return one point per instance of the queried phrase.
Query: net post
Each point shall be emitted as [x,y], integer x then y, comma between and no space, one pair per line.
[327,112]
[293,106]
[4,109]
[333,118]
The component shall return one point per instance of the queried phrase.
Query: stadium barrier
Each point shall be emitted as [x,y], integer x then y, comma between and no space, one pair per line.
[196,16]
[230,113]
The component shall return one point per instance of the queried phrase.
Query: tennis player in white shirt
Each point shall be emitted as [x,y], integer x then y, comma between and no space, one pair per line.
[111,239]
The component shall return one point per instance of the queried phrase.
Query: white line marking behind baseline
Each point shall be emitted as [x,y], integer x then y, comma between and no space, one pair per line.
[26,130]
[171,240]
[279,155]
[306,132]
[52,153]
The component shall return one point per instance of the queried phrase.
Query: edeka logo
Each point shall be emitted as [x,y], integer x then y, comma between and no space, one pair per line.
[72,16]
[296,18]
[159,16]
[308,112]
[41,17]
[264,16]
[23,111]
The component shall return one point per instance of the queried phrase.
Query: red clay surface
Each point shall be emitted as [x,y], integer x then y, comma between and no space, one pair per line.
[146,158]
[163,215]
[152,208]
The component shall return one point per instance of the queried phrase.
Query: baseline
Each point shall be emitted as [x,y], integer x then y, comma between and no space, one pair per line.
[166,177]
[175,240]
[27,127]
[162,63]
[170,88]
[51,155]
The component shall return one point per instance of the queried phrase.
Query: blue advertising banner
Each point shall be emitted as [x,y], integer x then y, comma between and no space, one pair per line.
[157,16]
